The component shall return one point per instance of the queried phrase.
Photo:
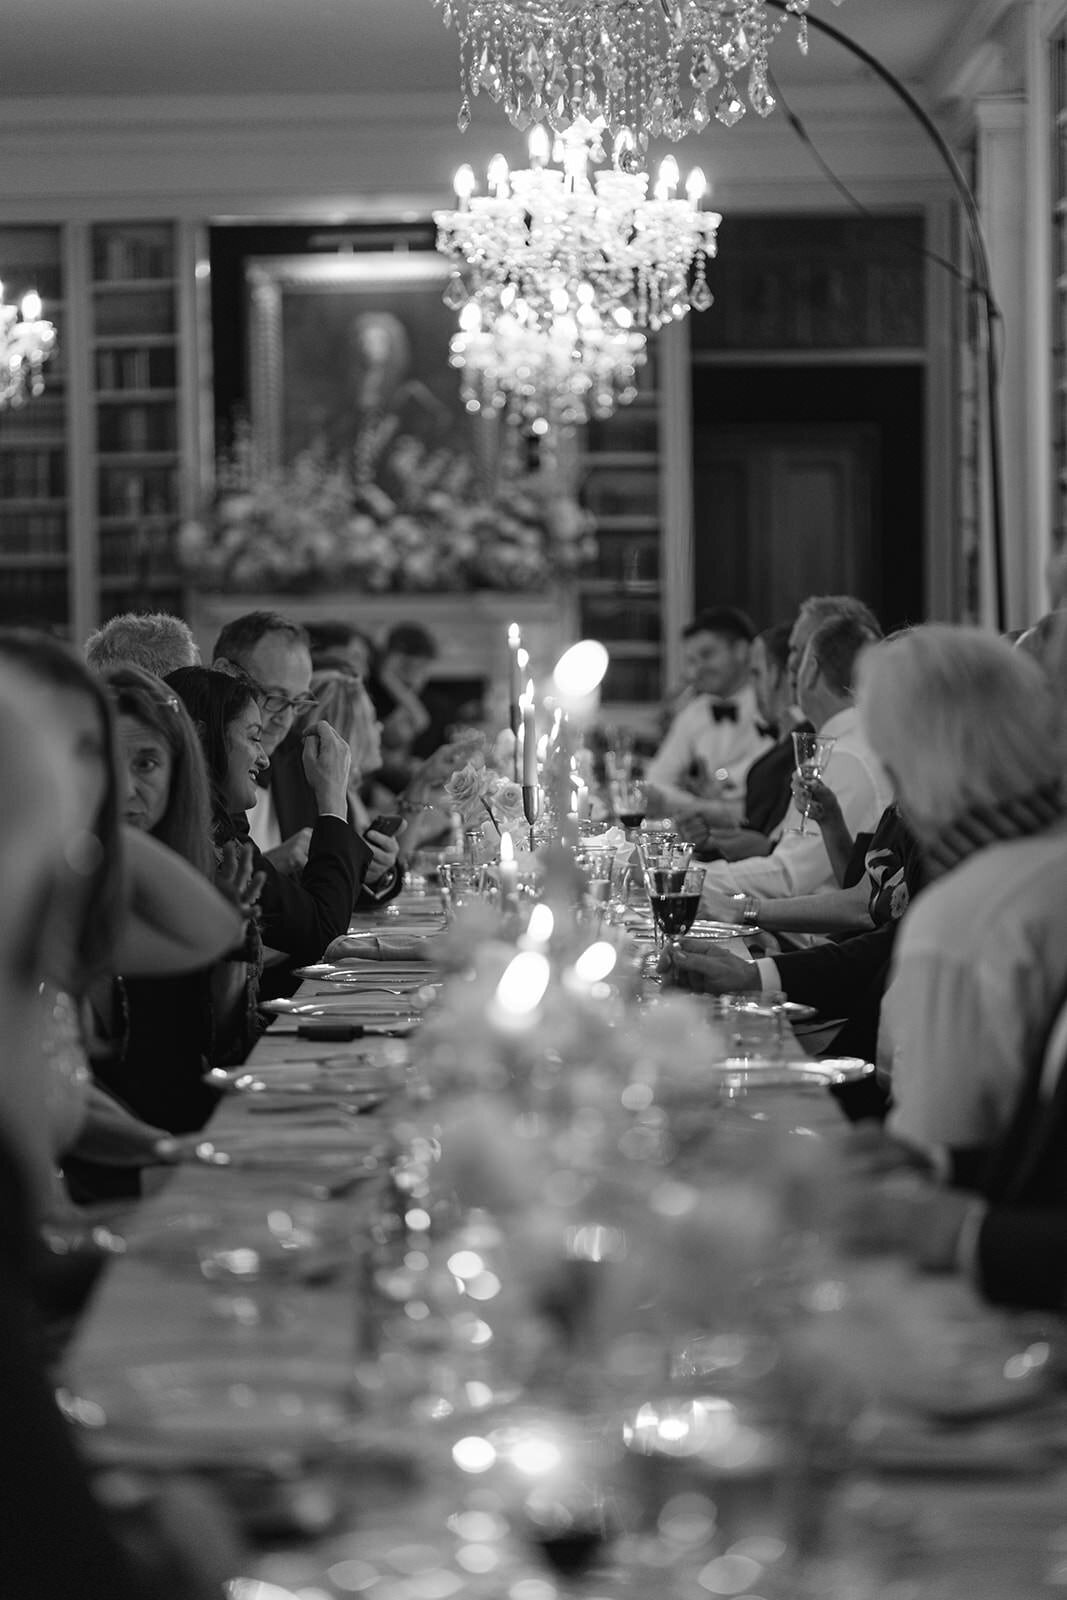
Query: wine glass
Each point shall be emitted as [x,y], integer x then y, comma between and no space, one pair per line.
[630,802]
[811,754]
[674,895]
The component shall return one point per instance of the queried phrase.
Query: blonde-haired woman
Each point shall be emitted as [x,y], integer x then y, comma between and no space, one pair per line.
[970,734]
[342,700]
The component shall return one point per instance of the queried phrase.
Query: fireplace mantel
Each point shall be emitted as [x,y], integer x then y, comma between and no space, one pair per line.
[470,629]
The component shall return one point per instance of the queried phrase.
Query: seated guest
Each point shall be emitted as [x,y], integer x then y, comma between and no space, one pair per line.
[799,863]
[132,904]
[768,784]
[713,741]
[1007,1229]
[154,641]
[176,1028]
[340,645]
[396,683]
[342,700]
[272,654]
[56,1540]
[301,915]
[971,733]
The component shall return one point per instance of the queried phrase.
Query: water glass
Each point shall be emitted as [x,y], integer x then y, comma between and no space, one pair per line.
[461,885]
[755,1026]
[598,869]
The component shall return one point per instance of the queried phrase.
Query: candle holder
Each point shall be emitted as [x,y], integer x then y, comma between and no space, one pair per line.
[531,808]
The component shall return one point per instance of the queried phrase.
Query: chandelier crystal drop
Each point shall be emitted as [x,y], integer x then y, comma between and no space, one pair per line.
[560,242]
[659,68]
[578,368]
[26,342]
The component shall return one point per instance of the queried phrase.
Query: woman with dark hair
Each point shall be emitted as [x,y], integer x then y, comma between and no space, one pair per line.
[170,1030]
[129,905]
[301,915]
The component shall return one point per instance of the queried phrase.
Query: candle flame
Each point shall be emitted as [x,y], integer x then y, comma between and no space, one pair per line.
[507,848]
[514,636]
[594,963]
[580,670]
[523,985]
[541,923]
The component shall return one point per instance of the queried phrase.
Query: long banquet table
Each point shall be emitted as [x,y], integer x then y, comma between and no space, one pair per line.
[984,1519]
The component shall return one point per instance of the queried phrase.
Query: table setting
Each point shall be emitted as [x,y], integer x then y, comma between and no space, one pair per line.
[522,1277]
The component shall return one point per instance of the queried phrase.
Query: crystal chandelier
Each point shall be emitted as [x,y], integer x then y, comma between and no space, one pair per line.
[660,68]
[25,345]
[558,242]
[558,376]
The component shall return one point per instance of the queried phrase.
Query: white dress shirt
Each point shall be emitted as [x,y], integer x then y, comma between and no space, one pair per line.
[799,863]
[719,747]
[979,967]
[263,824]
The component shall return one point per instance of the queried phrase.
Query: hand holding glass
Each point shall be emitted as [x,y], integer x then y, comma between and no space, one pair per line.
[811,753]
[674,895]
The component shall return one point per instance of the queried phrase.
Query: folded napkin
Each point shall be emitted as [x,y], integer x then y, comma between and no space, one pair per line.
[379,947]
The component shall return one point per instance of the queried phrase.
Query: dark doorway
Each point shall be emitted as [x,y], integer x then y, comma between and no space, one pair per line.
[808,479]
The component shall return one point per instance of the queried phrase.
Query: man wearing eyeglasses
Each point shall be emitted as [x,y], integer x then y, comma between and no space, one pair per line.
[309,765]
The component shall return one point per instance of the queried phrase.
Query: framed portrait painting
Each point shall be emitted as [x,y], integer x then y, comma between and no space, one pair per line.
[341,344]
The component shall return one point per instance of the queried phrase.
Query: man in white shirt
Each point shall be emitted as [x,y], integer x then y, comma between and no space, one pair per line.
[717,736]
[799,863]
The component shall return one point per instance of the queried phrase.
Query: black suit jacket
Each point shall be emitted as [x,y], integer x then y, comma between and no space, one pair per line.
[295,807]
[300,916]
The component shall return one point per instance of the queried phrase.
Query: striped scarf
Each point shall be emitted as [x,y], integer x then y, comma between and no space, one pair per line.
[982,825]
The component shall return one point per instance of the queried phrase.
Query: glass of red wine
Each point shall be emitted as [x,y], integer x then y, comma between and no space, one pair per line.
[630,801]
[674,895]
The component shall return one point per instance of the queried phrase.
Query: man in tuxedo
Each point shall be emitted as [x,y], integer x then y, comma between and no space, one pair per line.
[700,767]
[799,863]
[273,654]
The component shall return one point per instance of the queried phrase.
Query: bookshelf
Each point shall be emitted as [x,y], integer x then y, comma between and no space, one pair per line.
[134,331]
[35,542]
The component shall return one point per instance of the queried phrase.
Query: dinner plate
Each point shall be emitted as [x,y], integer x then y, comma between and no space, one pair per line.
[214,1410]
[368,1008]
[341,1149]
[754,1073]
[345,1077]
[371,971]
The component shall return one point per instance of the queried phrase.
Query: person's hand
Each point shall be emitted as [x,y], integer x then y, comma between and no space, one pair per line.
[113,1137]
[692,964]
[384,849]
[235,878]
[327,763]
[818,802]
[720,906]
[692,823]
[291,856]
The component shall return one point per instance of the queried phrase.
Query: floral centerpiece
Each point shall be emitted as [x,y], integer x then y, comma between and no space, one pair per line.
[486,800]
[391,514]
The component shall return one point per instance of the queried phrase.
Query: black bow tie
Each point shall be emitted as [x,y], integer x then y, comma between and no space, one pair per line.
[724,711]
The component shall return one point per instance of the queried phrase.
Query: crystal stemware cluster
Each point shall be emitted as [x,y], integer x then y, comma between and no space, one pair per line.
[26,342]
[660,68]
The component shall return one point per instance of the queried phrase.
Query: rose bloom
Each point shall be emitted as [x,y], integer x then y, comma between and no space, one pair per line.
[465,787]
[506,799]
